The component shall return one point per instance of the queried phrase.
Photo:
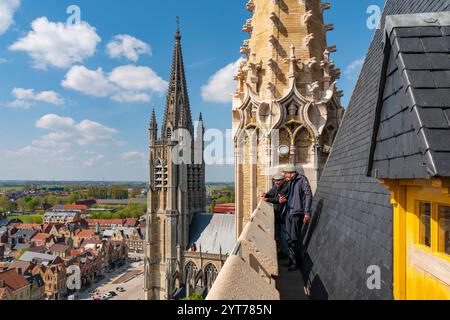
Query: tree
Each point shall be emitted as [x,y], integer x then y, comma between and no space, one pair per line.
[21,204]
[6,205]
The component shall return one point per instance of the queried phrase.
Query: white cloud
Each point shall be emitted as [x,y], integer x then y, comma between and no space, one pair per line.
[66,131]
[58,44]
[124,45]
[132,84]
[132,77]
[132,155]
[221,85]
[55,122]
[25,98]
[353,68]
[131,97]
[89,82]
[92,161]
[7,10]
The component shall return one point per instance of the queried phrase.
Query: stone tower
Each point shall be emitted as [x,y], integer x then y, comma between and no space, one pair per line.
[176,188]
[286,109]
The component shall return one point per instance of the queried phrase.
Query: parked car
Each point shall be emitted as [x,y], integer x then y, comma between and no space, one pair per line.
[120,289]
[112,293]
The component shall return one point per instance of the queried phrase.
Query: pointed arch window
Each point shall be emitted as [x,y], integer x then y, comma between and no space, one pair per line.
[190,272]
[210,275]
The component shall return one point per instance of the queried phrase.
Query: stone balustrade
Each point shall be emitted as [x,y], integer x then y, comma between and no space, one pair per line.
[250,272]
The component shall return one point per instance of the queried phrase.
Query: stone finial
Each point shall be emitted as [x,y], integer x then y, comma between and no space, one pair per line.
[273,17]
[328,27]
[307,17]
[240,77]
[254,67]
[293,62]
[248,27]
[307,40]
[313,87]
[271,64]
[251,6]
[325,6]
[311,62]
[245,49]
[332,49]
[273,40]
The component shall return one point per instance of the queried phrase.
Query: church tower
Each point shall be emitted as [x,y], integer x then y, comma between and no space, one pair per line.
[286,109]
[176,188]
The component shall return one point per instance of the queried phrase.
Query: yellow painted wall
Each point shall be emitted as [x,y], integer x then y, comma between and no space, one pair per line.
[420,272]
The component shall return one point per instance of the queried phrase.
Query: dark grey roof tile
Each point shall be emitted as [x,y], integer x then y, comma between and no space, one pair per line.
[441,161]
[409,45]
[437,139]
[434,44]
[419,79]
[441,78]
[429,97]
[433,118]
[439,61]
[445,31]
[428,31]
[404,33]
[413,61]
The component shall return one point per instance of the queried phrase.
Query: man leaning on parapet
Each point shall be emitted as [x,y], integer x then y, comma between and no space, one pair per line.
[298,212]
[280,190]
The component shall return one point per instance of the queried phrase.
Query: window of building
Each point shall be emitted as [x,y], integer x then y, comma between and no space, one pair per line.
[444,229]
[425,223]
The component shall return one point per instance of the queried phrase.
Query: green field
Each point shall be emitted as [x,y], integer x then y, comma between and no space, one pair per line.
[38,219]
[13,188]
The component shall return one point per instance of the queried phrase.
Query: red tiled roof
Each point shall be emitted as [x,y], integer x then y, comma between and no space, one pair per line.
[13,280]
[85,233]
[58,248]
[75,207]
[75,252]
[105,221]
[23,226]
[225,208]
[130,222]
[41,236]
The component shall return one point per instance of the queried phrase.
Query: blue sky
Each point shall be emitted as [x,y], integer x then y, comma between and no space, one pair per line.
[67,109]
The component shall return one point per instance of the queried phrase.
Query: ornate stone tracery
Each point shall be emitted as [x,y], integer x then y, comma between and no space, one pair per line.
[287,91]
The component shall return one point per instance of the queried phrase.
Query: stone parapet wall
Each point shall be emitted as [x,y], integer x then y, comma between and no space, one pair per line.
[250,272]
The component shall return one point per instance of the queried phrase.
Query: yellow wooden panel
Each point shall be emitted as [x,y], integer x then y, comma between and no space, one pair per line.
[424,284]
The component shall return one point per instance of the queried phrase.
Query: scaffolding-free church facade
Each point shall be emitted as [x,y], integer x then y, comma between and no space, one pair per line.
[176,195]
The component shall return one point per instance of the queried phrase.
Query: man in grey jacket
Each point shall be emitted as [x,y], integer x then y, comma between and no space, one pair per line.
[298,213]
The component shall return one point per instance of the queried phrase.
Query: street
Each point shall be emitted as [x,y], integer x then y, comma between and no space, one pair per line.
[129,277]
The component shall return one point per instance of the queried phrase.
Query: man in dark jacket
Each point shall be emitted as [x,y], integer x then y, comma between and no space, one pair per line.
[298,212]
[280,190]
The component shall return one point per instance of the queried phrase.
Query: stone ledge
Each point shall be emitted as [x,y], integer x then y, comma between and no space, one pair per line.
[248,274]
[238,281]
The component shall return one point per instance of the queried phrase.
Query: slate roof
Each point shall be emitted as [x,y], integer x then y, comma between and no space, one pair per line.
[4,222]
[352,221]
[412,126]
[213,232]
[61,214]
[38,279]
[29,256]
[24,234]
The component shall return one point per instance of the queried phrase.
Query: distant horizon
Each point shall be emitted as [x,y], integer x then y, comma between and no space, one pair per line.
[24,181]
